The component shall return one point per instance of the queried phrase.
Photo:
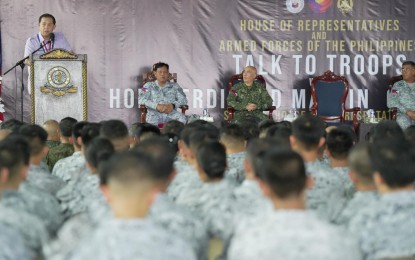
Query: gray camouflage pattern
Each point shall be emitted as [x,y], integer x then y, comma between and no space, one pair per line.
[12,246]
[31,228]
[291,235]
[68,168]
[386,229]
[151,94]
[42,179]
[181,222]
[133,239]
[402,96]
[236,171]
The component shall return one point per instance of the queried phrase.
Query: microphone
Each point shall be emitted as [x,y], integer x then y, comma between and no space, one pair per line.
[52,37]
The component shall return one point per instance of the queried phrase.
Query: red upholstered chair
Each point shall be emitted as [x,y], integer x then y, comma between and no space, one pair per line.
[238,78]
[148,77]
[393,110]
[329,93]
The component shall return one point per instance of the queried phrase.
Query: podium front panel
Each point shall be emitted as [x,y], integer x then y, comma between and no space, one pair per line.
[59,89]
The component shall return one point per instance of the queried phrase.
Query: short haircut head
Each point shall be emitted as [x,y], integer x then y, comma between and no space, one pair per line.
[47,16]
[113,129]
[173,126]
[36,136]
[387,130]
[66,125]
[250,67]
[284,172]
[408,62]
[211,157]
[189,128]
[51,126]
[99,150]
[360,163]
[250,127]
[339,142]
[12,124]
[201,136]
[308,130]
[77,129]
[145,130]
[265,125]
[280,134]
[14,154]
[232,134]
[160,150]
[126,168]
[89,132]
[255,151]
[395,162]
[159,65]
[197,133]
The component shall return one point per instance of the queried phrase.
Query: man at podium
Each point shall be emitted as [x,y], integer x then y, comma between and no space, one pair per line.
[46,39]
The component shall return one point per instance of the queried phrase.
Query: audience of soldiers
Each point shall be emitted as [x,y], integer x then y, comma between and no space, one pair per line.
[86,190]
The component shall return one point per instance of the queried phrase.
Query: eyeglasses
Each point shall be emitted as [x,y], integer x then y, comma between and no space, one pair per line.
[406,69]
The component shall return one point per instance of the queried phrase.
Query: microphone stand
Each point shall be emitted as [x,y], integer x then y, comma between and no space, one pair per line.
[21,64]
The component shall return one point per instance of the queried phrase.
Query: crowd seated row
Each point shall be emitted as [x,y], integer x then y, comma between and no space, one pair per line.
[245,191]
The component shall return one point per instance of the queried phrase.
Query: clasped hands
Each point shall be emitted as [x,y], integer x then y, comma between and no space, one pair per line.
[165,108]
[251,107]
[411,114]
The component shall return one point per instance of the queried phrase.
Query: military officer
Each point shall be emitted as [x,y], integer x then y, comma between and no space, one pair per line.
[249,98]
[162,97]
[402,96]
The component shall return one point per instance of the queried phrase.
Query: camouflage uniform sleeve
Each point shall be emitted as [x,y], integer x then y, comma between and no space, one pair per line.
[145,97]
[234,100]
[265,101]
[394,97]
[181,98]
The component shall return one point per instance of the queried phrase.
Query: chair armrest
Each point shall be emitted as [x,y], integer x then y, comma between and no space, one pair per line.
[143,114]
[313,111]
[393,111]
[231,112]
[270,109]
[355,110]
[184,108]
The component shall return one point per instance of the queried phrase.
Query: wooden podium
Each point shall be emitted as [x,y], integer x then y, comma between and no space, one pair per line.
[58,83]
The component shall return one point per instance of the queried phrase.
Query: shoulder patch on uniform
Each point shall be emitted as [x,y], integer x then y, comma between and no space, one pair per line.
[233,91]
[144,89]
[394,91]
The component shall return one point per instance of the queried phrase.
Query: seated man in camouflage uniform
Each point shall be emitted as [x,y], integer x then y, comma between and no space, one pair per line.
[288,231]
[128,184]
[164,212]
[65,148]
[37,175]
[402,96]
[52,128]
[339,143]
[232,137]
[307,139]
[249,98]
[162,97]
[361,174]
[14,162]
[385,230]
[117,132]
[69,167]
